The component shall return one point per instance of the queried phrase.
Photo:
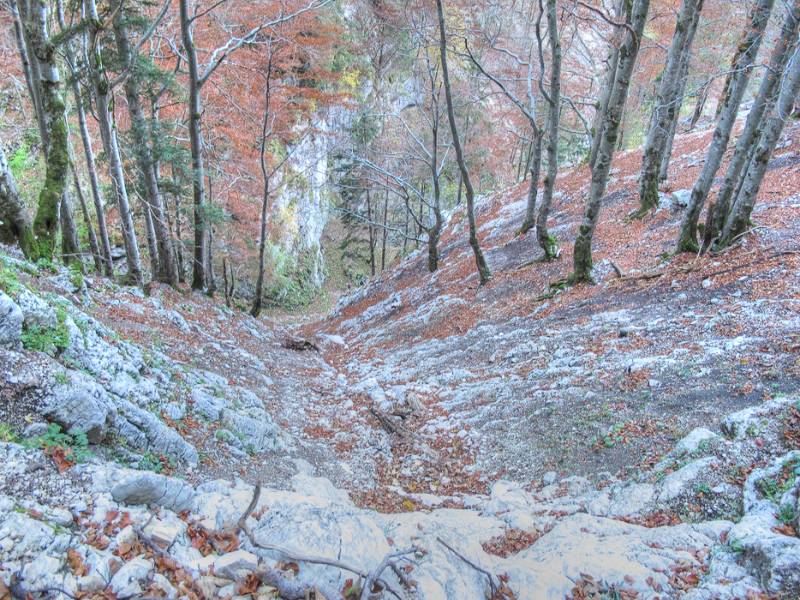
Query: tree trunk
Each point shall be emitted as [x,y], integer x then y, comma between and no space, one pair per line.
[534,169]
[15,223]
[103,241]
[372,240]
[484,274]
[767,93]
[70,245]
[754,33]
[53,117]
[108,132]
[699,106]
[582,258]
[739,218]
[385,233]
[547,241]
[621,12]
[198,169]
[667,107]
[96,256]
[165,270]
[666,156]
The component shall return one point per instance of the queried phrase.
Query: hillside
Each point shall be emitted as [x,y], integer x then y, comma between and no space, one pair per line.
[637,438]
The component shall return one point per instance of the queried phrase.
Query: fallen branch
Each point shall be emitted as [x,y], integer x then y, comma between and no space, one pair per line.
[366,591]
[273,577]
[492,586]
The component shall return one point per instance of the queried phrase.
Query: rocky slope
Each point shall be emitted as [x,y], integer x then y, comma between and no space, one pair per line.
[436,439]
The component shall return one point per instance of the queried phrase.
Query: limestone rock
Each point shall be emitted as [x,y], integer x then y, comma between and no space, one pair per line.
[142,487]
[10,323]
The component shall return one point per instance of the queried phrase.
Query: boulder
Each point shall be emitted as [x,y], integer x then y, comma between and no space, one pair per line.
[142,487]
[11,318]
[80,405]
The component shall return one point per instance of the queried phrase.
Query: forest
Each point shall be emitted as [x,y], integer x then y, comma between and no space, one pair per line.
[370,299]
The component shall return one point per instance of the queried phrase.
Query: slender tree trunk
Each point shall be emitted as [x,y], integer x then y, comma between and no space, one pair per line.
[179,240]
[70,245]
[15,223]
[484,273]
[102,95]
[152,245]
[767,94]
[666,156]
[699,106]
[533,185]
[667,106]
[86,140]
[87,219]
[265,192]
[547,241]
[739,218]
[754,33]
[372,240]
[195,138]
[621,12]
[140,132]
[385,233]
[582,258]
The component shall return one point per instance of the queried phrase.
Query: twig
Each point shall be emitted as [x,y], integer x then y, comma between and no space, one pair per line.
[366,591]
[480,569]
[320,560]
[242,522]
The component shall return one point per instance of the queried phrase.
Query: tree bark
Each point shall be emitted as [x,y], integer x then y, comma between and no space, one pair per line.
[767,94]
[742,67]
[667,107]
[195,139]
[96,256]
[547,241]
[15,223]
[534,170]
[70,245]
[102,92]
[165,264]
[739,218]
[582,258]
[47,86]
[103,241]
[265,192]
[484,274]
[621,12]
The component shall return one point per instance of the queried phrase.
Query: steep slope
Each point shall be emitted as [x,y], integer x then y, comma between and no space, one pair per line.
[517,441]
[524,378]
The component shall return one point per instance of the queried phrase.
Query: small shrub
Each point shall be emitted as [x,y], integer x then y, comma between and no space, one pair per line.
[7,434]
[52,340]
[76,275]
[65,449]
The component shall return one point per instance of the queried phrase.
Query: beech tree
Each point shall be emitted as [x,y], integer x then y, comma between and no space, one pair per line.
[48,101]
[668,103]
[741,69]
[76,66]
[610,124]
[102,86]
[738,217]
[747,142]
[484,274]
[15,223]
[165,266]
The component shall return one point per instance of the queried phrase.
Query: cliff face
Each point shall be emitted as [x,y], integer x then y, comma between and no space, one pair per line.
[302,208]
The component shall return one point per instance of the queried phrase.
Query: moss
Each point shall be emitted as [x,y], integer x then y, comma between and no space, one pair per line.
[46,221]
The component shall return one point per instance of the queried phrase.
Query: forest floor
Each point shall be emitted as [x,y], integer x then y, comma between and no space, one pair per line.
[576,427]
[512,379]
